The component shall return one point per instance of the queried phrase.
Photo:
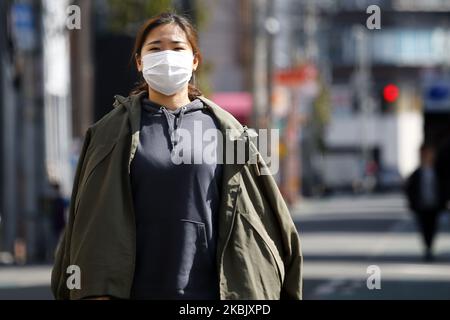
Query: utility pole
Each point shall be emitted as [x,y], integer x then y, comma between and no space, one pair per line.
[82,74]
[362,86]
[29,59]
[9,143]
[310,26]
[261,65]
[308,147]
[272,27]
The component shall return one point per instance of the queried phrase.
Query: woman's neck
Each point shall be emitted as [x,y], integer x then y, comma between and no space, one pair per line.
[173,102]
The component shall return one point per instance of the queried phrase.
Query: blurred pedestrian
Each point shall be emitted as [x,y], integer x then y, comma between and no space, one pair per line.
[59,209]
[424,197]
[143,227]
[443,172]
[53,219]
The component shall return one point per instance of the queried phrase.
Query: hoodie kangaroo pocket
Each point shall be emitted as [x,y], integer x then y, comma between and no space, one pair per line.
[195,252]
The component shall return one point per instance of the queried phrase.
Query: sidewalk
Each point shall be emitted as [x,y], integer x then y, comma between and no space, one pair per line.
[25,282]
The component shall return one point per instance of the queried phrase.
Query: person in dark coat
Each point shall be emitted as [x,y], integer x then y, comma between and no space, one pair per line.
[443,172]
[424,196]
[59,207]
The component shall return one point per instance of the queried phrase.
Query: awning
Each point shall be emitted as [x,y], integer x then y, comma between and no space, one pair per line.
[239,104]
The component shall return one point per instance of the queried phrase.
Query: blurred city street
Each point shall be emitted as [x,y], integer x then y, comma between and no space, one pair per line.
[343,236]
[354,93]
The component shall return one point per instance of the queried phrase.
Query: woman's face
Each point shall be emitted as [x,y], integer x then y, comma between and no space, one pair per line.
[165,37]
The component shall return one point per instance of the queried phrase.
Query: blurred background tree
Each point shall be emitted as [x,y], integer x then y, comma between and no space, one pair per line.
[126,16]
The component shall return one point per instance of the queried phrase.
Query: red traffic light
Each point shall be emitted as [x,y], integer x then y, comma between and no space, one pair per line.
[390,93]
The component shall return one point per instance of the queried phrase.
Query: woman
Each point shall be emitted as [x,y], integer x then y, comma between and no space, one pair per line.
[150,221]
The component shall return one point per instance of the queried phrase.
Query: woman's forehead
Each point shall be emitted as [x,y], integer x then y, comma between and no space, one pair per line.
[167,32]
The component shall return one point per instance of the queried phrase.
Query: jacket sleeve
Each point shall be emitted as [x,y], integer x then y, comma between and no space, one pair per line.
[62,254]
[293,258]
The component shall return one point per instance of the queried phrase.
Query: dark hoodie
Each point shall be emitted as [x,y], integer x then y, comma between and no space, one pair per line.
[175,206]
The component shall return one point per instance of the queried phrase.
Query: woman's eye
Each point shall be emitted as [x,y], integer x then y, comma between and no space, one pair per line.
[179,48]
[153,49]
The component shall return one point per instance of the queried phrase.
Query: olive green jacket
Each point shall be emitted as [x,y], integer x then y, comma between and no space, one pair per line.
[258,251]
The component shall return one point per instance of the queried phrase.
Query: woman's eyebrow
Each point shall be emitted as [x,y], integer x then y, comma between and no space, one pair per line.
[159,41]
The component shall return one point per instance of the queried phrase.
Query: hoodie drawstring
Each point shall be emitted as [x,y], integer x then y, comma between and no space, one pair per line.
[172,131]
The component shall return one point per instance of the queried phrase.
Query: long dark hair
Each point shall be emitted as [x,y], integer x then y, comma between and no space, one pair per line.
[191,35]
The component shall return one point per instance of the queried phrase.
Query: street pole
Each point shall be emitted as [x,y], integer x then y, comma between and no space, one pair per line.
[25,24]
[29,152]
[8,214]
[272,26]
[362,86]
[30,141]
[311,22]
[82,75]
[260,65]
[308,147]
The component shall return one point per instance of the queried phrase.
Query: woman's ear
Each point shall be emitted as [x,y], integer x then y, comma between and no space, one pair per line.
[195,64]
[137,57]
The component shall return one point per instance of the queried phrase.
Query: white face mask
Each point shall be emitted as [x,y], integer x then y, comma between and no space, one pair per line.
[167,71]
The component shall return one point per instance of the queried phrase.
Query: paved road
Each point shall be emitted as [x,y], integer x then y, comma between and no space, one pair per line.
[343,236]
